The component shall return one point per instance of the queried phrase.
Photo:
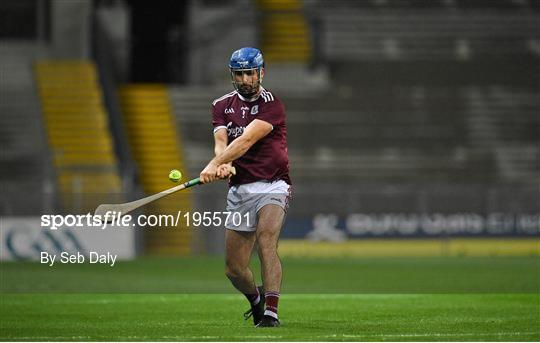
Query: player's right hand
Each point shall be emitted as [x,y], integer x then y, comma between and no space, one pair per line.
[224,171]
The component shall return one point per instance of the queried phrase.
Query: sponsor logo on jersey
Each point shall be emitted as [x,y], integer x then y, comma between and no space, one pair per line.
[234,131]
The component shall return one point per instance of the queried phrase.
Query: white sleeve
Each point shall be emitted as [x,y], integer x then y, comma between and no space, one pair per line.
[217,128]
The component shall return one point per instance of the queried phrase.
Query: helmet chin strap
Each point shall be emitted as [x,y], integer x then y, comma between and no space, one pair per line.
[249,95]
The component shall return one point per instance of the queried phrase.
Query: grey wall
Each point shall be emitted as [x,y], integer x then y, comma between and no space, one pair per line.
[70,28]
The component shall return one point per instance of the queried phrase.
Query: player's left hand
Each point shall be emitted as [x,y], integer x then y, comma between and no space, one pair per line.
[209,173]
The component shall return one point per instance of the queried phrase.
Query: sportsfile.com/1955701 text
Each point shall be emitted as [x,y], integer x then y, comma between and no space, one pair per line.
[116,219]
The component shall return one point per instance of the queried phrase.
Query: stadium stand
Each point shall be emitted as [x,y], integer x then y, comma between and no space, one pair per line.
[284,31]
[396,105]
[415,117]
[157,150]
[409,32]
[26,167]
[78,135]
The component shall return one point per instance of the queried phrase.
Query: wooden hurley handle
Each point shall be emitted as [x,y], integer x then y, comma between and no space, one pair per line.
[128,207]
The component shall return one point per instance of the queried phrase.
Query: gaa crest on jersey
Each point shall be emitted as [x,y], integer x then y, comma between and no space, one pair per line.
[255,110]
[229,110]
[244,109]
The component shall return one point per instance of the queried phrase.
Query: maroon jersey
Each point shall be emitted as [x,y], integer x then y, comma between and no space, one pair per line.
[267,159]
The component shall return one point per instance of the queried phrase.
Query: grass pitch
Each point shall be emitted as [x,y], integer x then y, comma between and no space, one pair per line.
[361,299]
[217,317]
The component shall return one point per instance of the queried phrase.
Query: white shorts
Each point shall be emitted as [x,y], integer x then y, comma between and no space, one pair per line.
[244,201]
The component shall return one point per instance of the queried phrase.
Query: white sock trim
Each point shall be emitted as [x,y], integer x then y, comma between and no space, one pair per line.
[270,313]
[257,301]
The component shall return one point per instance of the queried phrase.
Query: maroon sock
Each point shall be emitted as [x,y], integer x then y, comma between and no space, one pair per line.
[253,299]
[272,299]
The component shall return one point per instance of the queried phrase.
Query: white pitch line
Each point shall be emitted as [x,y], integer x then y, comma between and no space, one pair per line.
[346,296]
[105,299]
[142,299]
[52,338]
[57,338]
[434,334]
[260,336]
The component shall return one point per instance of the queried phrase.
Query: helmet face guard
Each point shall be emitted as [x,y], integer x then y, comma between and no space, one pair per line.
[246,81]
[246,65]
